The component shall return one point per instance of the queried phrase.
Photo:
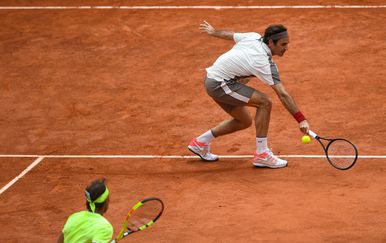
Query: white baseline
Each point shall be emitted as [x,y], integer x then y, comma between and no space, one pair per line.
[193,7]
[39,158]
[144,156]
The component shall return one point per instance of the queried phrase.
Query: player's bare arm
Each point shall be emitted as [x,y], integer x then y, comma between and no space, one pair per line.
[210,30]
[289,103]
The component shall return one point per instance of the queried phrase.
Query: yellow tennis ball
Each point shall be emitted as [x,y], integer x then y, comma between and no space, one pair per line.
[306,139]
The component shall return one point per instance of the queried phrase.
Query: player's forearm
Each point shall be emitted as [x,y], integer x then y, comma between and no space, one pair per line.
[223,34]
[289,103]
[210,30]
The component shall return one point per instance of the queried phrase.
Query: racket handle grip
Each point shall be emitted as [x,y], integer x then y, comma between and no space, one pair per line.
[312,134]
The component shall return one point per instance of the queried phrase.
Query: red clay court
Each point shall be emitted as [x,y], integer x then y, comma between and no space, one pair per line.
[118,93]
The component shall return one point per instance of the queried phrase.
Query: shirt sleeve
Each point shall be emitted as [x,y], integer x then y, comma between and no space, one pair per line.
[274,73]
[249,35]
[268,73]
[104,235]
[67,226]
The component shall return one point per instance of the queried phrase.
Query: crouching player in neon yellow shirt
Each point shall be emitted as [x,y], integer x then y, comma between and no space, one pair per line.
[90,226]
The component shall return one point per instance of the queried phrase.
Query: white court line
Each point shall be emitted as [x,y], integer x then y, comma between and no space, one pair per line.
[173,156]
[30,167]
[41,157]
[193,7]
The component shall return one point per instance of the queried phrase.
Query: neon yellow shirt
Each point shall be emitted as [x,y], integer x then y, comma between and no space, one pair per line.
[87,227]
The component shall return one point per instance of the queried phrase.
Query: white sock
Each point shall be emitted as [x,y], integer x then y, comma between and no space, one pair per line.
[261,145]
[206,137]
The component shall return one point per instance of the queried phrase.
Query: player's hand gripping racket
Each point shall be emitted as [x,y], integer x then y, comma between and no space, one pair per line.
[141,216]
[341,153]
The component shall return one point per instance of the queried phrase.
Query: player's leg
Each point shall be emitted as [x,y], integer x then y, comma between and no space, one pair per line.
[263,106]
[263,157]
[241,119]
[231,96]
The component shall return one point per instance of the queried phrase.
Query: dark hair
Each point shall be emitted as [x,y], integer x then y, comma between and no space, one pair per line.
[95,189]
[271,30]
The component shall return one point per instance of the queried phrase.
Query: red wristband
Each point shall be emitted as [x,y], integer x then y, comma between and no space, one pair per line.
[299,117]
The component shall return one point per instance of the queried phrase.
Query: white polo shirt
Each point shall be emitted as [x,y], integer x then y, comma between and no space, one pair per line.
[250,56]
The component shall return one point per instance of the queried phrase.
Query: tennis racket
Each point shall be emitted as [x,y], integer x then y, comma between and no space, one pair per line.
[340,152]
[141,216]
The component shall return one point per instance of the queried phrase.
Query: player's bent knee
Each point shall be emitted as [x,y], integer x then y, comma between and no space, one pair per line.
[247,123]
[244,125]
[267,102]
[260,100]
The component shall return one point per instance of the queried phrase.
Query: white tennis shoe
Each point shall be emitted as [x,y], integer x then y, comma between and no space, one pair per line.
[202,150]
[268,159]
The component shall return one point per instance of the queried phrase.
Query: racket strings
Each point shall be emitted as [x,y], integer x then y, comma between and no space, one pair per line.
[144,215]
[341,154]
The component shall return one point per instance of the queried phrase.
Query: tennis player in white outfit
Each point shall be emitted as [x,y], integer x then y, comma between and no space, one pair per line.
[226,82]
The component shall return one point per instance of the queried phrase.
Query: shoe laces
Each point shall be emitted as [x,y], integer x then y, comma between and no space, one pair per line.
[207,148]
[268,151]
[270,154]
